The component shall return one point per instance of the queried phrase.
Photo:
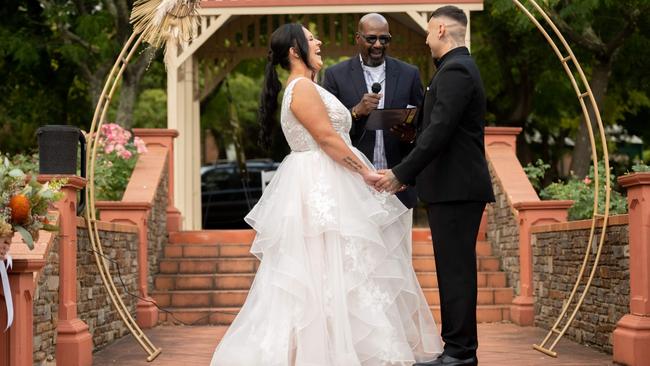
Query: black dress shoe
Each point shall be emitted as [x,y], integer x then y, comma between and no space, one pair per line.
[446,360]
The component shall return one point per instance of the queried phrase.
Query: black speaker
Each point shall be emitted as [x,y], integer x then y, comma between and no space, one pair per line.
[57,152]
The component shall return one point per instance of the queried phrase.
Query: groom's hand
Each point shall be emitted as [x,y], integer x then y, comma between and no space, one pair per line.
[389,182]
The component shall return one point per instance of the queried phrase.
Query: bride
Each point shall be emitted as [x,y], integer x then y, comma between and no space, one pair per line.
[335,286]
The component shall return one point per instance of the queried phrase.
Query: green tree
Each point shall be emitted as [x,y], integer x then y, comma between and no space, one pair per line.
[527,86]
[54,57]
[36,84]
[601,29]
[92,33]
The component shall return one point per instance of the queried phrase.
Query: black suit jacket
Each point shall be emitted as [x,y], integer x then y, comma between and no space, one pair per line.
[448,161]
[403,87]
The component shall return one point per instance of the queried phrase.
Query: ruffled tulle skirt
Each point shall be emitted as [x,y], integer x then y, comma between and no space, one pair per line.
[336,285]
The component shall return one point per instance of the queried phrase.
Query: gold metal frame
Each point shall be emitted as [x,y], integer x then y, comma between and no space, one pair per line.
[129,49]
[567,316]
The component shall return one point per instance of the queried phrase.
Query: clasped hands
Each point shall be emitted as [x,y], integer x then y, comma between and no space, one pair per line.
[384,181]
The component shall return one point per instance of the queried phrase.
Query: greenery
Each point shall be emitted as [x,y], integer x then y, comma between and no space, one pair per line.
[640,168]
[54,58]
[24,202]
[581,192]
[26,163]
[535,173]
[527,86]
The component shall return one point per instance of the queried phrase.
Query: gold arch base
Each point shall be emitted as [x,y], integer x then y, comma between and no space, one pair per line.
[585,98]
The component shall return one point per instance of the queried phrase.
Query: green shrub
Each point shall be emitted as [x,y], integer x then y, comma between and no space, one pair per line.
[581,192]
[640,168]
[536,173]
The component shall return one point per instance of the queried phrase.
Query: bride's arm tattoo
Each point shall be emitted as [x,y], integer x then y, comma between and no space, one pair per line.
[352,164]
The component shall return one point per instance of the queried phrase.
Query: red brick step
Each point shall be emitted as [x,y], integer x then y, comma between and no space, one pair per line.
[206,271]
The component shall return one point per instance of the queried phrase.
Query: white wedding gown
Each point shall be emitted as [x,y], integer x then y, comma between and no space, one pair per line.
[336,285]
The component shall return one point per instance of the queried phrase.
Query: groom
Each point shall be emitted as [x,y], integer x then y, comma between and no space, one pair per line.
[450,171]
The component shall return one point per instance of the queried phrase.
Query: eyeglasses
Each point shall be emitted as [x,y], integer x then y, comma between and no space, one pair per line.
[371,39]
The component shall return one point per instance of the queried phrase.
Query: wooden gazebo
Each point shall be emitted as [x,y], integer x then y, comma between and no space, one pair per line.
[231,31]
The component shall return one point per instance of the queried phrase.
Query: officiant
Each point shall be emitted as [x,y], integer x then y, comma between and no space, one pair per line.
[372,80]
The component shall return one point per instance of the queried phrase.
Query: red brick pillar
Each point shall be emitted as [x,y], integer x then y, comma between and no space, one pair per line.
[502,136]
[16,344]
[135,213]
[74,344]
[522,311]
[631,339]
[164,138]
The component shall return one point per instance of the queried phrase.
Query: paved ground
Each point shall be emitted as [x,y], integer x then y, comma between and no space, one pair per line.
[501,344]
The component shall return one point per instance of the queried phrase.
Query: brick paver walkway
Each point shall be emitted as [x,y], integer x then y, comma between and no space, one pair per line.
[501,344]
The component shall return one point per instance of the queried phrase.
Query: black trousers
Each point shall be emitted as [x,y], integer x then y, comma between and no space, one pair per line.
[454,228]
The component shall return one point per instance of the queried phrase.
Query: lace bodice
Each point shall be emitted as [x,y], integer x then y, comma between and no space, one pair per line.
[297,136]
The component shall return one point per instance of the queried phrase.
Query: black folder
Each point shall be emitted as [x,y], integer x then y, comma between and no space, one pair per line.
[385,119]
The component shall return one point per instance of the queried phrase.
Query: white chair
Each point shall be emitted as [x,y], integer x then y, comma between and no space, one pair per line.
[267,175]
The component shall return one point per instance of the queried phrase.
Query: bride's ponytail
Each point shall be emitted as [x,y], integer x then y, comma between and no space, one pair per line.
[286,36]
[268,102]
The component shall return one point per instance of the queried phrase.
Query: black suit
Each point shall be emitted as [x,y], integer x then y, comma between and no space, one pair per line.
[451,175]
[403,87]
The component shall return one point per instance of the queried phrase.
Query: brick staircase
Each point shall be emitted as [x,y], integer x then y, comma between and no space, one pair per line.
[205,276]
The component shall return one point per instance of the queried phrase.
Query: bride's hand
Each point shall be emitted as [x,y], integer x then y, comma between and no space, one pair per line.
[371,178]
[389,183]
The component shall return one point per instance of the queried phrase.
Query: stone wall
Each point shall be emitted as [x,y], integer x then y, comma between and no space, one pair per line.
[557,257]
[503,232]
[46,308]
[94,305]
[120,244]
[157,226]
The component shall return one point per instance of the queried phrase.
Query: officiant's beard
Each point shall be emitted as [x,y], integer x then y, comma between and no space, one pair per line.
[375,57]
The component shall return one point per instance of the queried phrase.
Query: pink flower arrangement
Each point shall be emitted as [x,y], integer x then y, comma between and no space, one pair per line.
[114,138]
[116,160]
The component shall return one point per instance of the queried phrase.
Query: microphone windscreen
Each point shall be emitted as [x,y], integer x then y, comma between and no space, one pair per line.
[376,88]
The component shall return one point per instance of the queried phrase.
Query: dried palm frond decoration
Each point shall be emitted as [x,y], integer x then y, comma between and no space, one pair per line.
[165,21]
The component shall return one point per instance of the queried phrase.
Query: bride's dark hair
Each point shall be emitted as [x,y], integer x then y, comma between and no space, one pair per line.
[286,36]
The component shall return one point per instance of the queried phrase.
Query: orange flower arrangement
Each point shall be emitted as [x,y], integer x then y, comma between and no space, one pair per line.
[24,203]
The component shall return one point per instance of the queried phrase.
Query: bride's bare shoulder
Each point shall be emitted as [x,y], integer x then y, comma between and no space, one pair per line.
[304,90]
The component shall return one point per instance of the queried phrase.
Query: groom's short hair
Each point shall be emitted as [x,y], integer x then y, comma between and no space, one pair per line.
[451,12]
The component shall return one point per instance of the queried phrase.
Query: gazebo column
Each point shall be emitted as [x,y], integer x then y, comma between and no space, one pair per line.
[183,115]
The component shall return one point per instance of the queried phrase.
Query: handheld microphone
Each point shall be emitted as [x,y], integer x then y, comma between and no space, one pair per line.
[376,88]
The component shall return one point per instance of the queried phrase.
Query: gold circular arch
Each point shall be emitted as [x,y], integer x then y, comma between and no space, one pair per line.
[585,98]
[152,25]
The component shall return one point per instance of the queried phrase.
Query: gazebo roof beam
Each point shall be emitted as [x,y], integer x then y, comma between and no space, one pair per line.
[293,3]
[333,9]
